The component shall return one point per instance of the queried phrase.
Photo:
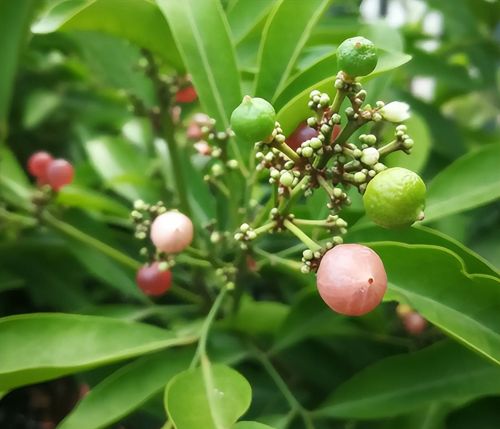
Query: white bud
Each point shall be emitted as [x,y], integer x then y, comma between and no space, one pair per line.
[370,156]
[396,111]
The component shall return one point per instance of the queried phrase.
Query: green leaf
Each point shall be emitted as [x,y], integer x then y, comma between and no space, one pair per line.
[287,29]
[474,263]
[432,280]
[127,389]
[244,15]
[321,76]
[470,181]
[310,317]
[444,372]
[15,19]
[88,199]
[38,347]
[251,425]
[122,166]
[210,397]
[201,32]
[139,21]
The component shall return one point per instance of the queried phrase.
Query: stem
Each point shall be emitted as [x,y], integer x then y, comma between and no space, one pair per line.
[285,205]
[326,186]
[337,101]
[265,227]
[173,148]
[110,251]
[389,147]
[309,222]
[287,150]
[295,405]
[201,350]
[311,244]
[272,259]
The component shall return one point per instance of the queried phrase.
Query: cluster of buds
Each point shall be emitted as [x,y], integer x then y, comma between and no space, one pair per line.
[142,217]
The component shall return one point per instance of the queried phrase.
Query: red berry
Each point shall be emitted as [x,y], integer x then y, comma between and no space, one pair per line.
[302,133]
[172,232]
[59,173]
[186,95]
[414,323]
[153,281]
[351,279]
[38,163]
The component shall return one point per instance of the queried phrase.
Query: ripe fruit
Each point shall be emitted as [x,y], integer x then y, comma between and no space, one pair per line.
[186,95]
[172,232]
[302,133]
[59,173]
[414,323]
[357,56]
[37,165]
[153,281]
[395,198]
[253,120]
[351,279]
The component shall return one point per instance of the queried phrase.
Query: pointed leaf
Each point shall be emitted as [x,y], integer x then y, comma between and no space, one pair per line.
[210,397]
[286,32]
[445,372]
[38,347]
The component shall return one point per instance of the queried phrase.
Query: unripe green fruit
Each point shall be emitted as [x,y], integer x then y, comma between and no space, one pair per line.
[357,56]
[253,120]
[395,198]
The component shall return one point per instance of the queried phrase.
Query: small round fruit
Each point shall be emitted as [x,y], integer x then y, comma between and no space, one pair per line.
[302,133]
[153,281]
[38,163]
[395,198]
[59,173]
[186,95]
[253,120]
[357,56]
[414,323]
[172,232]
[351,279]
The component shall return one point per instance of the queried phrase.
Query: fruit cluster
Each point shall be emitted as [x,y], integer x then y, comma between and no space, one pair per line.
[170,233]
[55,173]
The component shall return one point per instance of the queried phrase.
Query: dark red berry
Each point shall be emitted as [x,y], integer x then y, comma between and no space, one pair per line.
[38,163]
[302,133]
[153,281]
[59,173]
[186,95]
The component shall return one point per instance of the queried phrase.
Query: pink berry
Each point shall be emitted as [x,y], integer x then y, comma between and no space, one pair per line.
[351,279]
[194,132]
[172,232]
[414,323]
[153,281]
[302,133]
[203,148]
[38,163]
[59,173]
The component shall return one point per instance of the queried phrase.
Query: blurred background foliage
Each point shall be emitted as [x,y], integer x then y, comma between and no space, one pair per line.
[72,94]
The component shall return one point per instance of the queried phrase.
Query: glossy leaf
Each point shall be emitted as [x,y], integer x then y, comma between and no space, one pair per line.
[470,181]
[212,397]
[122,167]
[285,34]
[321,76]
[201,32]
[87,199]
[251,425]
[127,389]
[244,15]
[432,280]
[445,372]
[38,347]
[474,263]
[15,18]
[139,21]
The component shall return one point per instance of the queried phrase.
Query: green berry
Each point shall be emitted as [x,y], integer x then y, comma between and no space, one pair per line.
[286,179]
[395,198]
[357,56]
[253,120]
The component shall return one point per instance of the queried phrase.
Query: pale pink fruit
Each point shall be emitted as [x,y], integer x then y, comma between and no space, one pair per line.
[414,323]
[172,232]
[351,279]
